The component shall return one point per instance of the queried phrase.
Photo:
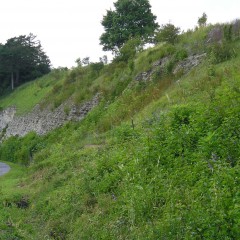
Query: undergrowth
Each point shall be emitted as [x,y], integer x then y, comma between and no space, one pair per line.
[154,160]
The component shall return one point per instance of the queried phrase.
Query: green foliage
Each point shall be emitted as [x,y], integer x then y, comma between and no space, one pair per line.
[181,53]
[28,95]
[195,40]
[202,21]
[130,19]
[78,61]
[168,33]
[236,28]
[129,50]
[159,161]
[95,69]
[145,59]
[220,52]
[86,61]
[20,150]
[228,32]
[22,59]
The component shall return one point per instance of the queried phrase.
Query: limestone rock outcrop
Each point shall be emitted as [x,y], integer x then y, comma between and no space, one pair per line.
[188,63]
[183,66]
[42,121]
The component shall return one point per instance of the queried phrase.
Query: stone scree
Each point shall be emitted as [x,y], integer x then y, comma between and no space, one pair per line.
[42,121]
[188,63]
[147,76]
[185,66]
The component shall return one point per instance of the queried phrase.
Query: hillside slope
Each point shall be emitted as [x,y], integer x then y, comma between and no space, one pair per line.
[157,158]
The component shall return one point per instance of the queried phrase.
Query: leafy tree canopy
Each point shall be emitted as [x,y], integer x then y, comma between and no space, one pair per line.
[130,19]
[168,33]
[22,59]
[129,49]
[202,21]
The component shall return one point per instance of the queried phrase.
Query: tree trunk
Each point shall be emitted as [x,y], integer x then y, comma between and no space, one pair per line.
[12,81]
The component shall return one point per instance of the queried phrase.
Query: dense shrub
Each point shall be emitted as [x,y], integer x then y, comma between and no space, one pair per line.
[220,52]
[20,150]
[168,33]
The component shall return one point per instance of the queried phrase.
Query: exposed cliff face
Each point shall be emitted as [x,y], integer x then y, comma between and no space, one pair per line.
[188,63]
[42,121]
[6,116]
[183,66]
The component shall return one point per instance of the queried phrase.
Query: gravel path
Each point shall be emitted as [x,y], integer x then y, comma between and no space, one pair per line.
[4,168]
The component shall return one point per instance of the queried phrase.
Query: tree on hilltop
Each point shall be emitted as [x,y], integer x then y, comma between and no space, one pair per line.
[130,19]
[202,21]
[168,33]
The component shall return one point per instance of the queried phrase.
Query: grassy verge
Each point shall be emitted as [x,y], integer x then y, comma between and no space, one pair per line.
[11,197]
[10,180]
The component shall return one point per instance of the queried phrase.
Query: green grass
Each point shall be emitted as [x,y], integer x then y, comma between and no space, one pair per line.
[28,95]
[151,161]
[11,191]
[10,180]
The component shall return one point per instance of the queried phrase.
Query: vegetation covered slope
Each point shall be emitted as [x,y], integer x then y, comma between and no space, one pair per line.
[156,159]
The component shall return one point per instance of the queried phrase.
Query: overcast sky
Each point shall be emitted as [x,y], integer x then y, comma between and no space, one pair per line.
[69,29]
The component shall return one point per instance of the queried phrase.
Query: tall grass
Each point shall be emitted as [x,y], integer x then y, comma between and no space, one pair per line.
[28,95]
[158,160]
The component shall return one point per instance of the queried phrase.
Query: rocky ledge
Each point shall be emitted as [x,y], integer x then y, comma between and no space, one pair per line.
[42,121]
[183,66]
